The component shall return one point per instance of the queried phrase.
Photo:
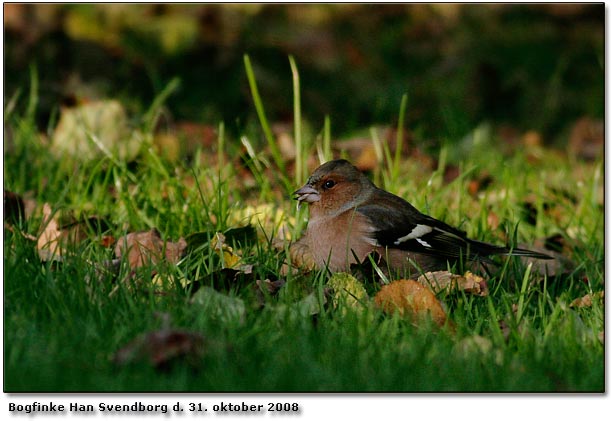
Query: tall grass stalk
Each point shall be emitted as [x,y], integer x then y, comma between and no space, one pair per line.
[300,167]
[33,97]
[261,114]
[399,139]
[151,117]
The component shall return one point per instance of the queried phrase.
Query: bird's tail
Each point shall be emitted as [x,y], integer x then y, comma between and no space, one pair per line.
[527,253]
[485,249]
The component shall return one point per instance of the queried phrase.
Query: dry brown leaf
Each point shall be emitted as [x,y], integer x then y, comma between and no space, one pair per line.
[148,247]
[174,251]
[492,221]
[409,298]
[367,159]
[107,241]
[587,300]
[272,287]
[48,244]
[587,139]
[444,280]
[284,138]
[161,347]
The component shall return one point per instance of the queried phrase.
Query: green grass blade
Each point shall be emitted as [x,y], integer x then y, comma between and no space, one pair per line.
[261,114]
[399,138]
[300,156]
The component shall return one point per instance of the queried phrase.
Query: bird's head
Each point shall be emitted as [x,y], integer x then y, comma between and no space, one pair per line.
[334,187]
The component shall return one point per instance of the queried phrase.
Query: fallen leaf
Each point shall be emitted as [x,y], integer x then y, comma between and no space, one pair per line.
[444,280]
[479,183]
[284,139]
[492,220]
[107,241]
[174,251]
[587,139]
[48,244]
[270,287]
[147,247]
[367,159]
[306,307]
[347,291]
[94,130]
[587,300]
[162,347]
[411,299]
[222,307]
[229,259]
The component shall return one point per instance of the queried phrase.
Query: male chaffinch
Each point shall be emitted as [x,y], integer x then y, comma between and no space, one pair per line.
[350,217]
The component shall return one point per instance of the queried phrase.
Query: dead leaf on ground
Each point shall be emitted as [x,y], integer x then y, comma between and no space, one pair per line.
[480,183]
[272,287]
[54,238]
[444,280]
[347,291]
[284,137]
[147,247]
[411,299]
[162,347]
[587,139]
[587,300]
[219,306]
[48,244]
[229,258]
[92,130]
[306,307]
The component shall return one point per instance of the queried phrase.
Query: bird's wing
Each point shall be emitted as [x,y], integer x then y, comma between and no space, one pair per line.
[399,225]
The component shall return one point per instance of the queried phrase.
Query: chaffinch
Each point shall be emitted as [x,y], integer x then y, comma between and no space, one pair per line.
[350,217]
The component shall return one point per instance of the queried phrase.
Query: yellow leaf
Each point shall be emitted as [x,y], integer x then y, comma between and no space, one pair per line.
[347,291]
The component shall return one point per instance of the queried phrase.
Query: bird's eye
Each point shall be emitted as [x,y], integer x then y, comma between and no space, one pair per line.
[329,184]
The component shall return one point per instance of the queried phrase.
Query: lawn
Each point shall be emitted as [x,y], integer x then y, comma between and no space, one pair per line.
[231,314]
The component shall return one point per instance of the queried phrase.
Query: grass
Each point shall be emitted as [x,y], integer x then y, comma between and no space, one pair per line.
[64,322]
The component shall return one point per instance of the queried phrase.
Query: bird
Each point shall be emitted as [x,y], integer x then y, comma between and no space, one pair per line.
[350,217]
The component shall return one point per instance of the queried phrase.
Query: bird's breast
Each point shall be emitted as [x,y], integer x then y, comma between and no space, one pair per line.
[336,241]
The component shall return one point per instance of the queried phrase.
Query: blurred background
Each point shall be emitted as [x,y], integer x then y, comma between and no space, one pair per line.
[535,70]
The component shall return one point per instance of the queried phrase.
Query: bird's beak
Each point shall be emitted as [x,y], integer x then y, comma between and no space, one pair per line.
[306,194]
